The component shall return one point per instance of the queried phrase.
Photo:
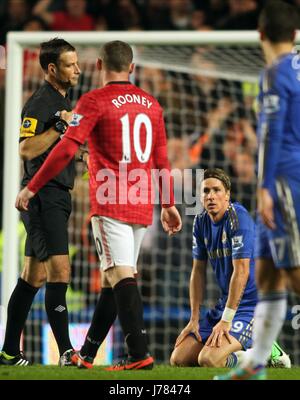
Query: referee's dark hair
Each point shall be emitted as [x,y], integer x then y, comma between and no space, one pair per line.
[278,22]
[116,55]
[218,173]
[50,51]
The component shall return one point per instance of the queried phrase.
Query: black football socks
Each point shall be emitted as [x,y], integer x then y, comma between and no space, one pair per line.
[104,316]
[18,307]
[130,313]
[57,312]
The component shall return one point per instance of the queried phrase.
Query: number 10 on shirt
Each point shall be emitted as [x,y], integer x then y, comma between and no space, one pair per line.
[140,120]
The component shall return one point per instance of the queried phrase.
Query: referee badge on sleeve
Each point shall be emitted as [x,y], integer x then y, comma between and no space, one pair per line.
[28,127]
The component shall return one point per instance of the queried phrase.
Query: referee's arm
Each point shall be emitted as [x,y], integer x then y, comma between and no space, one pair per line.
[33,147]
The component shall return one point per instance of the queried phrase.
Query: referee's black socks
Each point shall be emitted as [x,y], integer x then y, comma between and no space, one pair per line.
[104,316]
[130,313]
[57,312]
[18,307]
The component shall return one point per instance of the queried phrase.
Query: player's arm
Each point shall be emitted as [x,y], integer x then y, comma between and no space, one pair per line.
[63,152]
[197,288]
[37,145]
[161,163]
[34,146]
[238,282]
[197,291]
[170,217]
[237,286]
[56,161]
[275,104]
[197,282]
[41,10]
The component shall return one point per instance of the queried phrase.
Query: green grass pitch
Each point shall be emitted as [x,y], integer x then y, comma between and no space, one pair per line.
[160,372]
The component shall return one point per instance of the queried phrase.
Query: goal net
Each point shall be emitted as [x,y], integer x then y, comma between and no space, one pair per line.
[207,84]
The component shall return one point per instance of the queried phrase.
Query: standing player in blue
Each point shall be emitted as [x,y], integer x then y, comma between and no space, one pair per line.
[278,239]
[223,234]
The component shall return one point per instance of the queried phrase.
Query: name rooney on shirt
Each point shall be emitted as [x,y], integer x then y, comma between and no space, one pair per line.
[131,98]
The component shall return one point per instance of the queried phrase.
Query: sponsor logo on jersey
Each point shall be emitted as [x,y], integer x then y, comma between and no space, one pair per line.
[28,127]
[219,253]
[237,242]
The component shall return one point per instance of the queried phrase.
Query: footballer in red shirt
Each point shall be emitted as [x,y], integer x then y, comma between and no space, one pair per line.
[125,131]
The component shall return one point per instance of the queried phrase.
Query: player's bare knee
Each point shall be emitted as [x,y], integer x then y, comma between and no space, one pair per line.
[178,359]
[58,269]
[35,280]
[104,281]
[118,273]
[295,285]
[59,276]
[293,279]
[34,272]
[173,359]
[207,359]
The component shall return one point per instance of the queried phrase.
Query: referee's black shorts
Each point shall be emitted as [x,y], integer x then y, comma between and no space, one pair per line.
[46,223]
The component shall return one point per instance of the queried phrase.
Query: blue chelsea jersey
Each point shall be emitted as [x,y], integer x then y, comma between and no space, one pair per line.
[279,121]
[230,238]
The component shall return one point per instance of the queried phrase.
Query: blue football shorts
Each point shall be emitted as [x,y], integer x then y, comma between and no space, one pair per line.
[283,243]
[241,328]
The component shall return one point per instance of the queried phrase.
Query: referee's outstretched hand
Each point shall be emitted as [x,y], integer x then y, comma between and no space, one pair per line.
[23,198]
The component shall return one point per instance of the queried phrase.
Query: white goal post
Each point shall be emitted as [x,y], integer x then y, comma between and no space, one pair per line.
[16,41]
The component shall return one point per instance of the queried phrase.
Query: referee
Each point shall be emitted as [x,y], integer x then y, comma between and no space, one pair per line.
[45,118]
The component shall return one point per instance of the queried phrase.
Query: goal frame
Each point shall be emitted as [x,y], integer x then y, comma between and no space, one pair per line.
[16,42]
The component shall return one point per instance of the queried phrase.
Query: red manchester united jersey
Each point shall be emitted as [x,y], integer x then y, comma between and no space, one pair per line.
[126,136]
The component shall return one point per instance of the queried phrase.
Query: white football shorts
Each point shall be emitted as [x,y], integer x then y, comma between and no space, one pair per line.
[118,243]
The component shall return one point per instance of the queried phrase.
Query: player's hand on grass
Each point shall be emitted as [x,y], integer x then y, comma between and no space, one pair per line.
[171,220]
[23,199]
[265,206]
[192,327]
[219,331]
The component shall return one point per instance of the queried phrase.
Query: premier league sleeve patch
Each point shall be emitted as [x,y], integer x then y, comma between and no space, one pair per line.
[271,103]
[237,242]
[75,119]
[28,127]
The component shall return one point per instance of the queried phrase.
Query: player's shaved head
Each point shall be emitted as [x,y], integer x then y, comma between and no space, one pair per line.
[219,174]
[278,21]
[116,56]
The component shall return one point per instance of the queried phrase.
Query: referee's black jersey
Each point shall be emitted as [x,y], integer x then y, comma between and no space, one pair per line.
[38,115]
